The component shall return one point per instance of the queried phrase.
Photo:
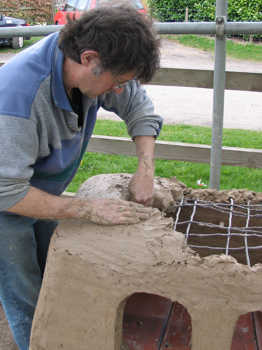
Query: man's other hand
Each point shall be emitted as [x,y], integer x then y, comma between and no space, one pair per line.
[141,188]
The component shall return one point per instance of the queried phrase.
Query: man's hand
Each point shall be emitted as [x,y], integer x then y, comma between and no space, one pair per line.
[39,204]
[142,182]
[141,188]
[114,212]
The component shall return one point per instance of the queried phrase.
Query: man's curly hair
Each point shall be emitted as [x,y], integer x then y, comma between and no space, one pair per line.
[124,39]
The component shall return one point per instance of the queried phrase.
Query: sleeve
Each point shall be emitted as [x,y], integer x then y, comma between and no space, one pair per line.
[18,152]
[135,108]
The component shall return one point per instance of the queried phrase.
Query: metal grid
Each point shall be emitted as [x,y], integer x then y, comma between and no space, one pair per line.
[235,229]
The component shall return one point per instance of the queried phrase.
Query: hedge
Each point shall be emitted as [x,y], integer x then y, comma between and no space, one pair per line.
[238,10]
[33,11]
[171,10]
[174,10]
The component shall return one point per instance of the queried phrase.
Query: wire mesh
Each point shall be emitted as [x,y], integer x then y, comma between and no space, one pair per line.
[221,228]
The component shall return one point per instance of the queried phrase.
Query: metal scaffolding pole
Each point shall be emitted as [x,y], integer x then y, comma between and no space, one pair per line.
[161,28]
[218,96]
[208,28]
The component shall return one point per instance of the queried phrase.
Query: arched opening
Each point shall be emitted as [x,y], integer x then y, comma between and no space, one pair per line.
[152,322]
[248,332]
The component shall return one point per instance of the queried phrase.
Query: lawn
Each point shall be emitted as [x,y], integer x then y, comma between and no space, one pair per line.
[240,50]
[189,173]
[27,43]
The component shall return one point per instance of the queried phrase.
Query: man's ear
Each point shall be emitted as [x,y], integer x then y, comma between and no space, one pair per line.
[88,57]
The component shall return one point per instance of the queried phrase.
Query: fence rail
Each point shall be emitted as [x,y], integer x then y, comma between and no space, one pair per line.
[243,157]
[204,79]
[229,28]
[201,78]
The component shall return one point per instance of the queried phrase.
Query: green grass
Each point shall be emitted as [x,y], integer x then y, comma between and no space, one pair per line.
[189,173]
[27,43]
[243,51]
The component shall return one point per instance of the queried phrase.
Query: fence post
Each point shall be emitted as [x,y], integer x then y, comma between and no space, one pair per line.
[186,15]
[219,92]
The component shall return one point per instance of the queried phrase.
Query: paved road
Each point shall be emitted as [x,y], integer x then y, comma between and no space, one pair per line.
[193,106]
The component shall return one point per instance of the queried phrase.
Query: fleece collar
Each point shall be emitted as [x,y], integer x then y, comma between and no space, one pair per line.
[58,90]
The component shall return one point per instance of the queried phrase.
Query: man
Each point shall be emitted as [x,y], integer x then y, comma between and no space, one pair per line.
[49,97]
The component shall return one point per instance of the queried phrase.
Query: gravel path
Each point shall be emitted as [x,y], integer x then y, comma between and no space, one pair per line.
[175,55]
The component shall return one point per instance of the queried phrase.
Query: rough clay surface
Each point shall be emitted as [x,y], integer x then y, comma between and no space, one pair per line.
[116,186]
[166,191]
[92,270]
[6,339]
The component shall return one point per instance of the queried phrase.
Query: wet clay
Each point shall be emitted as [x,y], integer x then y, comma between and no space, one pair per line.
[92,270]
[166,191]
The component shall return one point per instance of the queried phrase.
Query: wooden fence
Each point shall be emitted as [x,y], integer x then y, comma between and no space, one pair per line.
[251,158]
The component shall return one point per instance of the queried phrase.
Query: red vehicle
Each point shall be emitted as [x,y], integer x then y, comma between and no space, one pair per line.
[76,7]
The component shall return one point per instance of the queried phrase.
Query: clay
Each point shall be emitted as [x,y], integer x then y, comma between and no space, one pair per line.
[6,339]
[92,270]
[115,186]
[239,196]
[166,191]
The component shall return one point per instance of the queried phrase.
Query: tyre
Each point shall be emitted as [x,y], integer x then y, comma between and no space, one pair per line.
[17,42]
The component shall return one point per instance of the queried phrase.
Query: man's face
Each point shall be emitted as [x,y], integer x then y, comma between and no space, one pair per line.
[94,81]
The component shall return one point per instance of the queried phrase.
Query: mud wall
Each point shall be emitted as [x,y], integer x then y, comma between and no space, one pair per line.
[92,270]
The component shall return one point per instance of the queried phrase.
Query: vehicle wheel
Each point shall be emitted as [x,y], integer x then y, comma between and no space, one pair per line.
[17,42]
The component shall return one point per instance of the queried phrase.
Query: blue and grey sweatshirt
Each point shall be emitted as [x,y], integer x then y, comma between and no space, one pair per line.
[41,144]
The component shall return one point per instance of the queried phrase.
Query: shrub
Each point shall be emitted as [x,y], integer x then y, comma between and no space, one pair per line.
[171,10]
[238,10]
[33,11]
